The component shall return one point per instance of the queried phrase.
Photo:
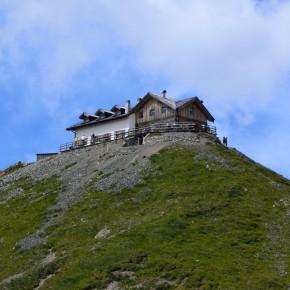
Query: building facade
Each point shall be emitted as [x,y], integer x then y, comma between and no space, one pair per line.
[150,109]
[160,108]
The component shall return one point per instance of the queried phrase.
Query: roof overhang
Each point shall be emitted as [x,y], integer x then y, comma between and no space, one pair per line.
[201,106]
[96,122]
[160,99]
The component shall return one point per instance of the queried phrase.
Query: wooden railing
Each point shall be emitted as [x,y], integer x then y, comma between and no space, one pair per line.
[139,132]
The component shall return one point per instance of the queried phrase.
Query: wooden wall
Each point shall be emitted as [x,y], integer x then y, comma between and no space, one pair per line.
[191,113]
[186,114]
[159,115]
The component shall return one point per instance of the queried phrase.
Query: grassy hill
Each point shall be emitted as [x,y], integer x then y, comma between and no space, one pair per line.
[204,217]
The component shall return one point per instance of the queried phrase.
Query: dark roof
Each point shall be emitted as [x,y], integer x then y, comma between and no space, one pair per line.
[85,116]
[103,111]
[117,108]
[85,124]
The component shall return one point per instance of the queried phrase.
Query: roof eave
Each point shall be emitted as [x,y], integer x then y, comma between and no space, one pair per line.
[202,107]
[208,114]
[95,122]
[151,95]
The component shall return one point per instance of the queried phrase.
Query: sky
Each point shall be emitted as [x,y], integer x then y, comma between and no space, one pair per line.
[60,58]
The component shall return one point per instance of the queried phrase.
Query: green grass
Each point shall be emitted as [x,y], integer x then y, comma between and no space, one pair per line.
[199,228]
[20,217]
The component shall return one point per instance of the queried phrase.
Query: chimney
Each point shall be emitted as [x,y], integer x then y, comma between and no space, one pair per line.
[164,93]
[127,107]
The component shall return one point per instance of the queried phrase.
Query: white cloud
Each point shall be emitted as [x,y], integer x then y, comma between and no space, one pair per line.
[234,53]
[228,51]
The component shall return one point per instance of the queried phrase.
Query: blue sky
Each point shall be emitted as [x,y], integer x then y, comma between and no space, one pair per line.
[60,58]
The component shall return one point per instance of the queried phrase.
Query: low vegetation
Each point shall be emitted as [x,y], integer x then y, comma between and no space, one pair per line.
[202,219]
[19,217]
[12,168]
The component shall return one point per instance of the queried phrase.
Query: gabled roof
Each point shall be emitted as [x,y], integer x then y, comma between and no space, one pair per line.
[175,104]
[102,115]
[182,103]
[167,101]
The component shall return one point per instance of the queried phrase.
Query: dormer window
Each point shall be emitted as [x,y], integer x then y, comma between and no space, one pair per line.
[152,112]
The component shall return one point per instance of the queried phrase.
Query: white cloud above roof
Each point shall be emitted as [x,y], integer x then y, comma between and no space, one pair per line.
[233,53]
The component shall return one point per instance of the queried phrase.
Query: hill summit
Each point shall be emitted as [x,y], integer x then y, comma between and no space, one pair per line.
[179,212]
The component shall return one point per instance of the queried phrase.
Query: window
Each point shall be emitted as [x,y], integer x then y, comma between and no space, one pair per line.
[163,109]
[152,112]
[140,115]
[191,113]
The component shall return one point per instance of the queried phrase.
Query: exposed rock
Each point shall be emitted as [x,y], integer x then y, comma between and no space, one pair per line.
[164,283]
[113,286]
[42,281]
[103,234]
[11,278]
[15,193]
[124,274]
[49,258]
[31,241]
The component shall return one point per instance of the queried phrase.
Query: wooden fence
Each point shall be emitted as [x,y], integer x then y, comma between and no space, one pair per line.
[139,132]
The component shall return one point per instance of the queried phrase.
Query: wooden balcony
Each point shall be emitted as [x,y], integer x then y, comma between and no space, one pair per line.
[140,132]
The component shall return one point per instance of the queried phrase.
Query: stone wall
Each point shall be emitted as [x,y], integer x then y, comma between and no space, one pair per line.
[41,156]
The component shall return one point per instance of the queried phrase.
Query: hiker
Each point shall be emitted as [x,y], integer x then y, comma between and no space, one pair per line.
[83,139]
[225,141]
[93,137]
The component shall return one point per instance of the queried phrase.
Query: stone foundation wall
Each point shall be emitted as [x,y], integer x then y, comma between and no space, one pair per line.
[187,138]
[41,156]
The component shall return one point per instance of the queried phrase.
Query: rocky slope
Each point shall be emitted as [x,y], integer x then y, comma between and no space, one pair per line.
[179,212]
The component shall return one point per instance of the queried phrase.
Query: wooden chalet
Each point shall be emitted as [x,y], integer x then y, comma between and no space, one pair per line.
[152,114]
[154,108]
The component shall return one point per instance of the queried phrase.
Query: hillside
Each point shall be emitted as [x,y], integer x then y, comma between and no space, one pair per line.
[180,212]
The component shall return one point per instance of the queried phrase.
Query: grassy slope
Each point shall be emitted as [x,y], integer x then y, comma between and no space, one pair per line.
[20,217]
[193,222]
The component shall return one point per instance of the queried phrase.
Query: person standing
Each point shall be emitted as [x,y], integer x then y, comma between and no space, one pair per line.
[93,138]
[225,141]
[83,139]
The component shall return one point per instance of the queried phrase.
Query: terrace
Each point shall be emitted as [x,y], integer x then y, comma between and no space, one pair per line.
[139,133]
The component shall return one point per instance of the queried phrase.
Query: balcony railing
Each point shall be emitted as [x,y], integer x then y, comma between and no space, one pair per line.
[139,132]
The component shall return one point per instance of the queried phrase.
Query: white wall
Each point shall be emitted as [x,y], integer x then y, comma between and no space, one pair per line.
[107,127]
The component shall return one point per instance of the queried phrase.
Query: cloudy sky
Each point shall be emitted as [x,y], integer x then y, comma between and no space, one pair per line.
[59,58]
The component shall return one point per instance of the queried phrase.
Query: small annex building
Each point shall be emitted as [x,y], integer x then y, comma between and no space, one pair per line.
[151,109]
[115,121]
